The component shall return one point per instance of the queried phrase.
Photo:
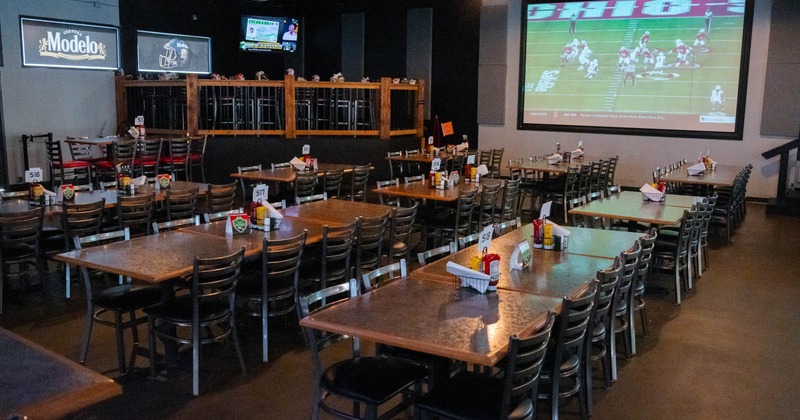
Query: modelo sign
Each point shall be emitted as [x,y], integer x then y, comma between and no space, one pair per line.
[49,43]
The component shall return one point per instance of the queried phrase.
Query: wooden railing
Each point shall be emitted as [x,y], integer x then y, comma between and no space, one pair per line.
[276,108]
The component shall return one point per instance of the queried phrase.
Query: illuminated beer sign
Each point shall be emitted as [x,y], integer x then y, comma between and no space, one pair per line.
[48,43]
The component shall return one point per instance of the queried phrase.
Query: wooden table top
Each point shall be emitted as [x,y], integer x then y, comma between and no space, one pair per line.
[287,174]
[543,166]
[40,384]
[723,176]
[152,258]
[438,318]
[623,207]
[423,191]
[335,212]
[109,140]
[554,274]
[253,241]
[424,157]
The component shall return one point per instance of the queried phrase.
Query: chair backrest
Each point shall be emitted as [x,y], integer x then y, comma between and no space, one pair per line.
[396,167]
[612,171]
[486,206]
[412,152]
[648,245]
[197,147]
[435,254]
[20,230]
[485,158]
[575,219]
[370,239]
[149,155]
[318,341]
[175,224]
[463,214]
[627,277]
[523,363]
[332,182]
[509,207]
[401,227]
[584,178]
[124,155]
[571,327]
[457,163]
[280,264]
[82,242]
[305,182]
[414,178]
[53,148]
[496,163]
[279,165]
[215,217]
[81,220]
[311,198]
[501,229]
[384,199]
[608,280]
[220,197]
[181,203]
[136,212]
[80,151]
[337,246]
[465,241]
[358,182]
[179,149]
[595,176]
[249,184]
[214,279]
[378,276]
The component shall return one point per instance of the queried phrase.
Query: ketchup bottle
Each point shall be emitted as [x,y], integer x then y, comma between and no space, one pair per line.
[538,233]
[491,266]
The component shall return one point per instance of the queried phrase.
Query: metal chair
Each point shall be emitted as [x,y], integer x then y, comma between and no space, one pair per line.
[177,160]
[305,184]
[135,213]
[208,311]
[159,227]
[369,243]
[60,168]
[181,203]
[247,186]
[357,188]
[435,254]
[121,163]
[624,302]
[378,276]
[272,291]
[20,248]
[603,338]
[197,157]
[148,158]
[79,220]
[332,182]
[371,381]
[387,200]
[121,299]
[220,197]
[401,226]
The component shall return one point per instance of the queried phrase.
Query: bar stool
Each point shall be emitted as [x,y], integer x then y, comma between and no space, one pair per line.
[304,98]
[268,113]
[364,111]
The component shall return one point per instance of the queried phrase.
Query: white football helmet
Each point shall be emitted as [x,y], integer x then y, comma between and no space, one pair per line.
[176,55]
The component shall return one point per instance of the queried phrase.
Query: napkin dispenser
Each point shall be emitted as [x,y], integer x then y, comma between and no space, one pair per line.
[469,278]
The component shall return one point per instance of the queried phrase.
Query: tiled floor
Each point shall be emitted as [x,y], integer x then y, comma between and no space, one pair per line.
[728,352]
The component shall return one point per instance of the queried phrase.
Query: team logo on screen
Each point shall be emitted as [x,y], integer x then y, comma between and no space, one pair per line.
[71,45]
[176,55]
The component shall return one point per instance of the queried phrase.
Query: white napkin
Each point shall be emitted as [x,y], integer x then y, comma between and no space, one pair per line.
[461,147]
[576,153]
[554,159]
[558,230]
[651,193]
[469,278]
[272,213]
[298,164]
[482,170]
[50,193]
[142,180]
[696,169]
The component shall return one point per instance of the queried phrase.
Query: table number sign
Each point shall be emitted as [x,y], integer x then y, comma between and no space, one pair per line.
[306,149]
[260,193]
[521,257]
[545,212]
[471,160]
[436,163]
[485,240]
[238,224]
[33,175]
[164,181]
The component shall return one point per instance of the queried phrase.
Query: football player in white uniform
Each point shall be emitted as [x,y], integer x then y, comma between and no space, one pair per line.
[717,99]
[584,58]
[659,66]
[592,70]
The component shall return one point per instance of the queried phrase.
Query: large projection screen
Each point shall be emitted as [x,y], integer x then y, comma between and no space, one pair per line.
[662,68]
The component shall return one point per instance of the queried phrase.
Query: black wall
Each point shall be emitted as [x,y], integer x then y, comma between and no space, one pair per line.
[454,84]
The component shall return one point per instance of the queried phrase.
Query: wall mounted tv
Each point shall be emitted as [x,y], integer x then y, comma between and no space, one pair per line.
[173,53]
[264,33]
[641,67]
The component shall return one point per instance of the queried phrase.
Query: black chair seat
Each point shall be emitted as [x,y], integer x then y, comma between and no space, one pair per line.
[311,269]
[179,310]
[14,253]
[664,246]
[251,287]
[371,379]
[599,331]
[622,308]
[126,297]
[472,396]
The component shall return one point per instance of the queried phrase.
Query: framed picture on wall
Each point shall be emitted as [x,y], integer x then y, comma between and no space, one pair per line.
[67,44]
[676,69]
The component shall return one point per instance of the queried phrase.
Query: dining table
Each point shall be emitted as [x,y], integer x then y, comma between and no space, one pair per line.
[550,273]
[286,174]
[438,318]
[336,212]
[721,176]
[623,207]
[38,383]
[253,240]
[422,190]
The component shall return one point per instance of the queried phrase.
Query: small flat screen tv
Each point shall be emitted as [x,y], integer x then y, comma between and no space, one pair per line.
[173,53]
[661,68]
[266,34]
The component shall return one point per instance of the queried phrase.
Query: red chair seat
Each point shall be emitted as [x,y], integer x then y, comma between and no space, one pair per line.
[146,162]
[195,156]
[104,164]
[177,161]
[71,164]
